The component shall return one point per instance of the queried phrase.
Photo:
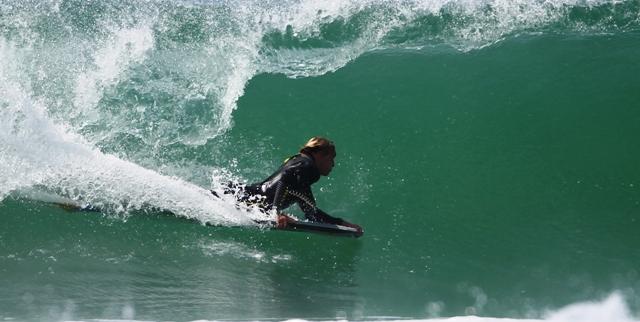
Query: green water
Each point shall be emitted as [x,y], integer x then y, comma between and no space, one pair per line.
[500,181]
[523,183]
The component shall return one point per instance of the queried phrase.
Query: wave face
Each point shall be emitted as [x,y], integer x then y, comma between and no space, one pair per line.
[151,81]
[488,148]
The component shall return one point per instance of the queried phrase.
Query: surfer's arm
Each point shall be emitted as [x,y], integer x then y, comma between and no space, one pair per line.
[308,205]
[282,219]
[323,217]
[283,185]
[279,195]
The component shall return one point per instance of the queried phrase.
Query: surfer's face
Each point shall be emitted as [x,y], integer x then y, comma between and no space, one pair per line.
[325,162]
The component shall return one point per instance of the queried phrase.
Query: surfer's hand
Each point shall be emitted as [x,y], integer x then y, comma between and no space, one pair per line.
[357,227]
[283,220]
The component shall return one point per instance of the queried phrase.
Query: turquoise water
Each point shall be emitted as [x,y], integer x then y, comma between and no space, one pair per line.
[489,149]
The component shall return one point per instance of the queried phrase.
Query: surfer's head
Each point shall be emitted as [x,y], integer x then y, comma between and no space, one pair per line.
[323,152]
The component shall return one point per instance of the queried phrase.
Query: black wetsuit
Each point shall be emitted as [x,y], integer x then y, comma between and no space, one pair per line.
[291,184]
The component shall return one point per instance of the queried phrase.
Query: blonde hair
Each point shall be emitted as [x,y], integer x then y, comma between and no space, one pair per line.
[318,144]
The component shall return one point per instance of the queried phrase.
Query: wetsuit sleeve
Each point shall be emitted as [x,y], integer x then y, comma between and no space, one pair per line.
[282,187]
[279,195]
[321,216]
[287,185]
[308,205]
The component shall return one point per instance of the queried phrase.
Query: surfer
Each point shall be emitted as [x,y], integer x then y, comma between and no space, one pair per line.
[291,183]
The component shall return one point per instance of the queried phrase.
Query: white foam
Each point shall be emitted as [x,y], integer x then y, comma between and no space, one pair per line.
[37,152]
[125,47]
[612,309]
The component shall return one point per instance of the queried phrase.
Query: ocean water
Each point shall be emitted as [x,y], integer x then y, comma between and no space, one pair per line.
[489,148]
